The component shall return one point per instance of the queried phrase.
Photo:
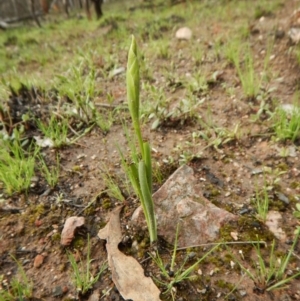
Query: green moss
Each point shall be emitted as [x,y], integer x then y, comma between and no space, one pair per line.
[102,224]
[277,205]
[225,285]
[144,243]
[34,212]
[226,160]
[213,191]
[216,260]
[230,207]
[55,237]
[106,203]
[228,258]
[248,229]
[139,236]
[194,278]
[76,168]
[40,209]
[295,185]
[283,167]
[89,211]
[62,267]
[79,242]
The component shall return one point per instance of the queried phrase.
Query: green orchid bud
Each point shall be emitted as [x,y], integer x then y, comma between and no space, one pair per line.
[133,82]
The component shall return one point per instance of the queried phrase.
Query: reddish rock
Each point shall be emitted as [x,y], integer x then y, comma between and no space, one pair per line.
[38,261]
[65,289]
[38,223]
[180,200]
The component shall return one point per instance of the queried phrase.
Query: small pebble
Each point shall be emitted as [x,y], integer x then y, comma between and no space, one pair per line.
[283,198]
[81,156]
[183,33]
[57,291]
[38,261]
[256,171]
[191,255]
[244,211]
[243,293]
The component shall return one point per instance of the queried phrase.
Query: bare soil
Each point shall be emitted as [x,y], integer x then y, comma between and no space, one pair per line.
[31,224]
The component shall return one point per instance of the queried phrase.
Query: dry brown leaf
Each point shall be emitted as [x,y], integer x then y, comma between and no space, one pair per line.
[127,274]
[68,232]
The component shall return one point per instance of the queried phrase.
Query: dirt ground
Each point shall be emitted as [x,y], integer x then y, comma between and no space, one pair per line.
[229,173]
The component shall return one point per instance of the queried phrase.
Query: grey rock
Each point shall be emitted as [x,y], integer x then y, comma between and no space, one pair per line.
[57,291]
[294,35]
[283,198]
[180,200]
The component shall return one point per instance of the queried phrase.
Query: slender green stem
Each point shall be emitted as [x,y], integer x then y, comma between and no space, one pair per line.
[149,212]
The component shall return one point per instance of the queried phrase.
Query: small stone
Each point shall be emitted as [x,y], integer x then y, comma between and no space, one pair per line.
[57,291]
[46,192]
[65,289]
[272,57]
[244,211]
[294,34]
[191,255]
[38,261]
[80,156]
[289,272]
[34,179]
[255,172]
[117,71]
[243,293]
[38,223]
[234,235]
[183,33]
[283,198]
